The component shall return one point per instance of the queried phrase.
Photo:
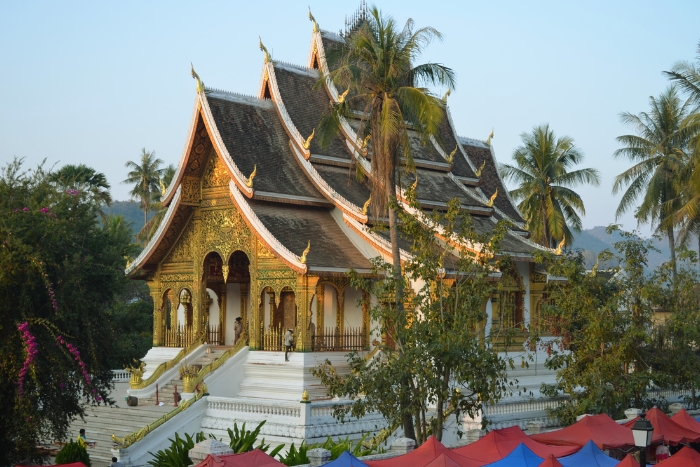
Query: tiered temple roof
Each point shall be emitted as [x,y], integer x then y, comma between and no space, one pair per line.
[289,191]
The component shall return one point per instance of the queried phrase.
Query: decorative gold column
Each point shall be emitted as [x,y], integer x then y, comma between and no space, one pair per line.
[273,308]
[340,311]
[243,313]
[320,300]
[174,305]
[305,287]
[222,314]
[157,314]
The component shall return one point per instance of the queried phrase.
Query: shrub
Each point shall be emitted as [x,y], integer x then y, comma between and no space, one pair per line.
[297,457]
[73,452]
[177,455]
[244,440]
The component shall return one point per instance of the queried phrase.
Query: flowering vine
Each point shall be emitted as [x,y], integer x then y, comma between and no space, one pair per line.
[76,356]
[47,284]
[32,349]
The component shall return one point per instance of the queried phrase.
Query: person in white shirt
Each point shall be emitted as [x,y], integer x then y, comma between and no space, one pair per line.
[288,342]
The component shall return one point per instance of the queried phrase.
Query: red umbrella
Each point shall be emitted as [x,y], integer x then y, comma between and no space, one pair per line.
[423,455]
[671,432]
[499,443]
[605,432]
[628,461]
[684,419]
[255,458]
[442,461]
[551,461]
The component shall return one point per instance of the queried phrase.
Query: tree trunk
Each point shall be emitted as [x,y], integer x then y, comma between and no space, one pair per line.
[672,246]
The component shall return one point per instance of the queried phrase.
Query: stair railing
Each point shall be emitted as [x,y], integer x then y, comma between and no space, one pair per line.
[139,383]
[205,370]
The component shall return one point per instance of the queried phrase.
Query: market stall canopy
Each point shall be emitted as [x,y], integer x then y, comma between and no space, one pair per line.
[255,458]
[521,456]
[499,443]
[73,464]
[628,461]
[686,457]
[684,419]
[671,432]
[590,456]
[346,460]
[603,430]
[423,455]
[551,461]
[442,461]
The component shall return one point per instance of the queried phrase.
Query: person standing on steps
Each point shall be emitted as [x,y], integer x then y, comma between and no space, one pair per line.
[115,463]
[237,330]
[288,342]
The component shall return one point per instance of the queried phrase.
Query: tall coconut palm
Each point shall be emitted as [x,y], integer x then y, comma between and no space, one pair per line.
[686,76]
[377,65]
[145,177]
[151,226]
[85,179]
[659,153]
[543,173]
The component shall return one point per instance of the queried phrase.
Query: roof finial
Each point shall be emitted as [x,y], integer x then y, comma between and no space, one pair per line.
[447,94]
[560,247]
[302,258]
[307,143]
[365,142]
[493,198]
[341,98]
[313,20]
[488,141]
[415,183]
[366,206]
[268,58]
[480,169]
[452,154]
[249,181]
[200,84]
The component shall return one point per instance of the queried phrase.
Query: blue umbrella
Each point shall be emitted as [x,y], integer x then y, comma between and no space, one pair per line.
[589,455]
[521,456]
[346,460]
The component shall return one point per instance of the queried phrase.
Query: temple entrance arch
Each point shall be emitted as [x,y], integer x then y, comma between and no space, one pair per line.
[214,283]
[235,296]
[510,300]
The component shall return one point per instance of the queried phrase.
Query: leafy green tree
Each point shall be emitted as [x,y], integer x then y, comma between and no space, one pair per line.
[60,270]
[658,151]
[85,179]
[543,173]
[377,64]
[440,344]
[150,228]
[145,178]
[73,452]
[602,349]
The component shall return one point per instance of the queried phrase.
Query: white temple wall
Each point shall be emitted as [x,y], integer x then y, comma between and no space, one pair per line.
[524,271]
[180,315]
[213,308]
[489,316]
[233,307]
[353,309]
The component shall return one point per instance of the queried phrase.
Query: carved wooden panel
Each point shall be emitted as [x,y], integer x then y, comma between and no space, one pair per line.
[201,146]
[215,175]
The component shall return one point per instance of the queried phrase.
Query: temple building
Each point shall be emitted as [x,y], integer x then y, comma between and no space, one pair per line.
[263,224]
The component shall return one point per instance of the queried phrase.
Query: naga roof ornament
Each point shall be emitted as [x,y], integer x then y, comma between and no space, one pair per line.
[313,20]
[560,247]
[451,157]
[200,84]
[447,94]
[488,141]
[366,205]
[307,142]
[249,181]
[480,169]
[268,57]
[302,258]
[492,199]
[341,98]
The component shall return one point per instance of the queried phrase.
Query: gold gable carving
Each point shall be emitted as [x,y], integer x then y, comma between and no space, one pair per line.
[182,251]
[190,191]
[225,231]
[201,146]
[215,175]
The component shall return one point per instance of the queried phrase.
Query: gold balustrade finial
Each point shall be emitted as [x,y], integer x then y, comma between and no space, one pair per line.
[452,154]
[305,396]
[492,199]
[313,20]
[341,98]
[488,141]
[268,58]
[307,142]
[302,258]
[249,181]
[366,205]
[560,247]
[480,169]
[200,84]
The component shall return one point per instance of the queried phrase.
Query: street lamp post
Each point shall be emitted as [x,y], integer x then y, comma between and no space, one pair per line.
[643,431]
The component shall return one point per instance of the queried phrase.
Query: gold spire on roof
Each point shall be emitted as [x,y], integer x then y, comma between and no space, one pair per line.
[480,169]
[200,84]
[249,181]
[341,98]
[492,199]
[302,258]
[313,20]
[488,141]
[307,143]
[415,183]
[268,58]
[365,142]
[452,154]
[447,94]
[560,247]
[366,206]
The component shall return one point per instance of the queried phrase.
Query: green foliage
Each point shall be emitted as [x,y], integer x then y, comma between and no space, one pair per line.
[296,457]
[340,445]
[608,351]
[177,455]
[73,452]
[440,345]
[61,271]
[244,440]
[145,177]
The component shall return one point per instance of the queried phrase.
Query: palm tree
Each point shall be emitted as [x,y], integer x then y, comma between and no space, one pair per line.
[146,180]
[87,180]
[542,171]
[659,153]
[151,226]
[376,65]
[686,75]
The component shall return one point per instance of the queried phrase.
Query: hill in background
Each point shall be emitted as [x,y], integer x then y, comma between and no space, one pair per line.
[131,212]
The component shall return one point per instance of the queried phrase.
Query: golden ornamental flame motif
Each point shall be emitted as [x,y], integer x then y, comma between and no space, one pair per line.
[493,198]
[249,181]
[307,143]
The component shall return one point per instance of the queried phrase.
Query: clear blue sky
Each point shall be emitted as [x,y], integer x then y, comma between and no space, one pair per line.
[94,82]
